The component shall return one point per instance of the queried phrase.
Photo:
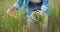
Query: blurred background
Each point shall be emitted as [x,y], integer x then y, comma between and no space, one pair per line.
[16,22]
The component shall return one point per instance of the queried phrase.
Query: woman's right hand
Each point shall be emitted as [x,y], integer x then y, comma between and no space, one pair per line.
[9,11]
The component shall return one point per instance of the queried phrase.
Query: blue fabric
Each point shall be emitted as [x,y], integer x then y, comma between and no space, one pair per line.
[19,3]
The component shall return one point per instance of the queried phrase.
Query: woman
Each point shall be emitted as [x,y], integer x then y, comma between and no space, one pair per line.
[29,6]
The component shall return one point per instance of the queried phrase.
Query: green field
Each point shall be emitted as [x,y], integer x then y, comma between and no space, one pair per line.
[15,23]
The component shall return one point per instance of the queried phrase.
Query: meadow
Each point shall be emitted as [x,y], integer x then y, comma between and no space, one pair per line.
[16,22]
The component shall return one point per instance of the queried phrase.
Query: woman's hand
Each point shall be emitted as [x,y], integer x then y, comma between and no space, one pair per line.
[42,12]
[10,10]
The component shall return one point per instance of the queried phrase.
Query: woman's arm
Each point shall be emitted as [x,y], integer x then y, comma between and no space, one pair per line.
[45,5]
[17,5]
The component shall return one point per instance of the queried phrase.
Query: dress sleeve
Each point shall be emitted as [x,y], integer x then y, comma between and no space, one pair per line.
[45,5]
[18,3]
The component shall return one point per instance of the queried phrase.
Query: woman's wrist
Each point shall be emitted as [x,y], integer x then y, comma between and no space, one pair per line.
[13,8]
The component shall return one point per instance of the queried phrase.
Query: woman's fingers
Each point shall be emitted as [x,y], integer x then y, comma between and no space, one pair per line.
[9,12]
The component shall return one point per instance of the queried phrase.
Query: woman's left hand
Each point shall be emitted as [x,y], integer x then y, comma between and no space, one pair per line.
[42,12]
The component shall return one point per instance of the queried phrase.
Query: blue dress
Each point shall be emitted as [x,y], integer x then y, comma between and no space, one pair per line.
[19,3]
[29,7]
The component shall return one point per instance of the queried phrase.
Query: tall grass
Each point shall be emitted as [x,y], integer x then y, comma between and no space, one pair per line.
[11,24]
